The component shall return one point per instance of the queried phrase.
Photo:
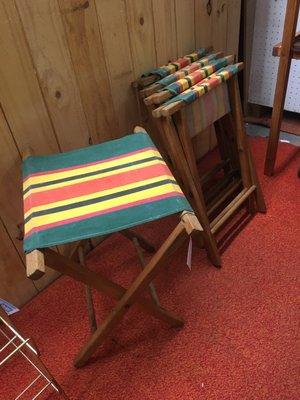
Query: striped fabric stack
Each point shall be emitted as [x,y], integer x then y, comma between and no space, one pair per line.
[186,70]
[197,76]
[96,190]
[178,64]
[205,85]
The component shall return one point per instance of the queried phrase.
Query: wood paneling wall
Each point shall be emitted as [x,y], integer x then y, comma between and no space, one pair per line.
[66,68]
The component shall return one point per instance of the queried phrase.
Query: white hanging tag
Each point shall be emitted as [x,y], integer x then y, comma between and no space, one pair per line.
[189,254]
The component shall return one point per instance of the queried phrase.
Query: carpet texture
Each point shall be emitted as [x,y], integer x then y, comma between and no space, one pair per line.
[240,336]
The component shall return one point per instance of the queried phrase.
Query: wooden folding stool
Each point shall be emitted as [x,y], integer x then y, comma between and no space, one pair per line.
[94,192]
[171,107]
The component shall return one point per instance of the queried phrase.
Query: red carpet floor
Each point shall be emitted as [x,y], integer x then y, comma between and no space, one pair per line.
[239,340]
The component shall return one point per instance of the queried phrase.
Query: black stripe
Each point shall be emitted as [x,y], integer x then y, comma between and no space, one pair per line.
[98,172]
[98,199]
[188,79]
[176,66]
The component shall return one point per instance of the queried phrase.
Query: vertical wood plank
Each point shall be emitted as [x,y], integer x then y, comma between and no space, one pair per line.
[15,287]
[203,24]
[113,24]
[185,26]
[249,17]
[11,207]
[233,26]
[141,32]
[20,94]
[220,11]
[11,211]
[86,48]
[45,35]
[165,30]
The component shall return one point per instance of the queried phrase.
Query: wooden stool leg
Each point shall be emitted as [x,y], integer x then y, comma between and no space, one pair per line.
[223,145]
[248,171]
[88,294]
[193,190]
[129,234]
[260,201]
[241,139]
[289,30]
[139,251]
[175,240]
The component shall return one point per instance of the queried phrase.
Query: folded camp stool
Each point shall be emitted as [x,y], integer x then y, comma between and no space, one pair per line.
[202,94]
[94,192]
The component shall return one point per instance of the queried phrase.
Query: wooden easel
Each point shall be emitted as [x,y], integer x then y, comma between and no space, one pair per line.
[288,49]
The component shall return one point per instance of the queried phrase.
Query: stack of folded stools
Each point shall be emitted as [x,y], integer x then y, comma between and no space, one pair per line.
[184,98]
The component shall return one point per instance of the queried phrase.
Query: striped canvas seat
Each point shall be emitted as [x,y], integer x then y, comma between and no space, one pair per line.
[96,191]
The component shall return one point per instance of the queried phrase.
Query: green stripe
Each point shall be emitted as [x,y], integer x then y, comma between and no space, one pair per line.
[93,173]
[100,152]
[106,223]
[99,199]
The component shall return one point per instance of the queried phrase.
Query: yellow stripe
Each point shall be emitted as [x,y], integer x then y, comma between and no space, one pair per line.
[105,205]
[91,168]
[89,178]
[94,195]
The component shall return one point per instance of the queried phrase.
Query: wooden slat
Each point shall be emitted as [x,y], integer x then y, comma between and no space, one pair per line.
[11,207]
[86,48]
[233,26]
[185,25]
[20,94]
[113,25]
[203,23]
[141,31]
[219,13]
[45,35]
[165,30]
[14,285]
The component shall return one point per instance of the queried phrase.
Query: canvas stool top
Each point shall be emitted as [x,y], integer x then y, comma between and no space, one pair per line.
[96,191]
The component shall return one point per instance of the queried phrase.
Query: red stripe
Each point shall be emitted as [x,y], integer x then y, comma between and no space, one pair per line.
[183,62]
[110,210]
[95,185]
[87,164]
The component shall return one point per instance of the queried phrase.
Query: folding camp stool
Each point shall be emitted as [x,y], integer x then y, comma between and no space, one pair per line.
[170,104]
[93,192]
[15,345]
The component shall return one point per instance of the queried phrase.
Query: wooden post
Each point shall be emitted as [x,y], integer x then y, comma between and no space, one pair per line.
[289,30]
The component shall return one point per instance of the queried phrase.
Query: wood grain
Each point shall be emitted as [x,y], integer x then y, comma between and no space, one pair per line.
[219,33]
[14,287]
[203,24]
[86,48]
[45,35]
[165,30]
[113,24]
[11,207]
[233,18]
[185,26]
[20,94]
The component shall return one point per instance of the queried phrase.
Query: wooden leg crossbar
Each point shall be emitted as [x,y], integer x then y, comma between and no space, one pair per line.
[38,259]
